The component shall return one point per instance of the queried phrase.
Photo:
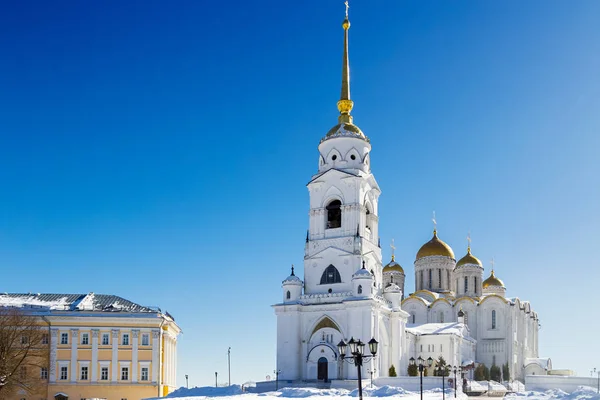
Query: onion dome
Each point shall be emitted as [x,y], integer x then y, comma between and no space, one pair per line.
[393,266]
[292,279]
[362,273]
[492,281]
[469,259]
[345,129]
[435,247]
[392,288]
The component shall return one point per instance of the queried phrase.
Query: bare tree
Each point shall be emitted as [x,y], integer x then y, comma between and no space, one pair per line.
[24,352]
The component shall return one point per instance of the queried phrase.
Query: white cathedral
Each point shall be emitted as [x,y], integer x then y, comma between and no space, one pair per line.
[348,293]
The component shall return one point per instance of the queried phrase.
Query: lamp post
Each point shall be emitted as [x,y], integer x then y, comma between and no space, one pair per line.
[421,368]
[442,370]
[372,371]
[229,364]
[276,372]
[186,382]
[357,356]
[598,379]
[455,369]
[216,384]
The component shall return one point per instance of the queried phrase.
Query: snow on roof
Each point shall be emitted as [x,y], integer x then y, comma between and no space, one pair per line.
[72,302]
[545,363]
[451,328]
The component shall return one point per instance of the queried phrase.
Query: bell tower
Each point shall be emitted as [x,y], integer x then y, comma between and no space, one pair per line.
[343,218]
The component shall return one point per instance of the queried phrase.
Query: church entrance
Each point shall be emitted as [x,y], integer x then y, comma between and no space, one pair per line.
[322,369]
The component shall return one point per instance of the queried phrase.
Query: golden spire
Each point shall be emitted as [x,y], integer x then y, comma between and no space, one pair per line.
[345,104]
[393,250]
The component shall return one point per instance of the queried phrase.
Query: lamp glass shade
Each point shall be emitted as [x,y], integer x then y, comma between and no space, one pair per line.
[360,347]
[420,360]
[412,361]
[373,344]
[352,345]
[429,362]
[342,348]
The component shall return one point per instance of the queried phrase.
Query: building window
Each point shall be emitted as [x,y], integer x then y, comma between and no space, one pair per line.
[288,295]
[433,348]
[466,284]
[441,317]
[144,374]
[493,319]
[124,373]
[45,338]
[441,348]
[359,289]
[64,338]
[430,279]
[448,278]
[331,275]
[125,341]
[105,339]
[84,373]
[64,373]
[85,338]
[24,339]
[23,372]
[414,317]
[465,318]
[421,348]
[334,214]
[475,284]
[145,339]
[421,286]
[440,277]
[104,374]
[44,373]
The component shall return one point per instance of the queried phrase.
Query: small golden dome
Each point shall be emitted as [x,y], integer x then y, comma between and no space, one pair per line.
[345,129]
[393,266]
[492,281]
[346,24]
[435,247]
[469,259]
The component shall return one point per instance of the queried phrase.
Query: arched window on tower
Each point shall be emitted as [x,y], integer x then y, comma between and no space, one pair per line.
[493,319]
[330,275]
[288,295]
[430,279]
[359,289]
[440,278]
[421,286]
[475,284]
[334,214]
[466,284]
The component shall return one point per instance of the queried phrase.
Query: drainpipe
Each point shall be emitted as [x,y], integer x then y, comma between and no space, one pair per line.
[159,355]
[49,352]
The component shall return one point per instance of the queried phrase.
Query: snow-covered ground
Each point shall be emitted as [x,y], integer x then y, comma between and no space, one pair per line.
[235,393]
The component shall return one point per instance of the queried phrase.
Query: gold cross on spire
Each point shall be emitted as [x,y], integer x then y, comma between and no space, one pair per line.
[434,223]
[347,7]
[493,263]
[469,242]
[392,245]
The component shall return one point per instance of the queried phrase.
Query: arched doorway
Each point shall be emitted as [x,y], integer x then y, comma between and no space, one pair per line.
[322,365]
[61,396]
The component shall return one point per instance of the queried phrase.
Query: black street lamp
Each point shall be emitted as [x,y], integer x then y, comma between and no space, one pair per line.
[372,371]
[598,379]
[357,356]
[421,368]
[276,372]
[186,382]
[455,369]
[442,371]
[216,384]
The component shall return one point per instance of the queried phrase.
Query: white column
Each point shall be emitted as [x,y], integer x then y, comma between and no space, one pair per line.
[53,345]
[155,355]
[94,371]
[135,333]
[115,355]
[74,340]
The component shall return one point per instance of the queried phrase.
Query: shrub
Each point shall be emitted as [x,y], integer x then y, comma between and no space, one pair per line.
[482,373]
[392,371]
[413,370]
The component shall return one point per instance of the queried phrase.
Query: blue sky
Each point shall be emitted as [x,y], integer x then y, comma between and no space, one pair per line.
[159,151]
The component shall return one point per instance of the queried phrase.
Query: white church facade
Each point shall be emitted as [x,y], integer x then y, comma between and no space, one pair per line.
[347,292]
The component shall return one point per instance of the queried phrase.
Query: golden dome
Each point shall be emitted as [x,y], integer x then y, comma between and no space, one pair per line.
[345,129]
[492,281]
[393,266]
[469,259]
[435,247]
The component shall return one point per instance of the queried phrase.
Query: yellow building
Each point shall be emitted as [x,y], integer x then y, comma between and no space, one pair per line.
[102,346]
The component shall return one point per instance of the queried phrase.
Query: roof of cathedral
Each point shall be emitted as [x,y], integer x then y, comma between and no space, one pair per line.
[292,279]
[73,302]
[393,266]
[469,259]
[492,281]
[449,328]
[435,247]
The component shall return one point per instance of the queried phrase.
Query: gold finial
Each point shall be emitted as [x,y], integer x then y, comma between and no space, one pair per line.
[469,242]
[492,263]
[434,224]
[345,104]
[391,245]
